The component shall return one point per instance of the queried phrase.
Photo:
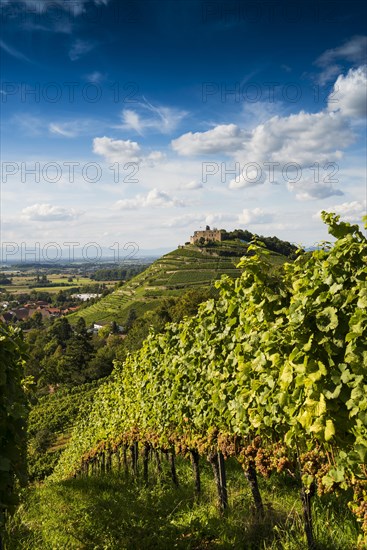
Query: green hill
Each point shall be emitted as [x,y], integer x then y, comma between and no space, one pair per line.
[171,275]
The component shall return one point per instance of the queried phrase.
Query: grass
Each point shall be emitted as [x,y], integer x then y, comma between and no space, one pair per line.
[111,512]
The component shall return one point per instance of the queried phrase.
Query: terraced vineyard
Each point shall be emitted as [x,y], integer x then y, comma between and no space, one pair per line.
[189,267]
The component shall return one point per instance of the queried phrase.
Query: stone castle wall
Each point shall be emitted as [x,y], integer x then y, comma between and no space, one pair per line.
[208,235]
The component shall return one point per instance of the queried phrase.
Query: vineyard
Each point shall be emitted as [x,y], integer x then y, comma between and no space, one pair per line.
[50,423]
[271,375]
[171,275]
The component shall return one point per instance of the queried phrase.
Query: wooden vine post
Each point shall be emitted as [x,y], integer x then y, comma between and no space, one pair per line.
[194,457]
[251,476]
[217,462]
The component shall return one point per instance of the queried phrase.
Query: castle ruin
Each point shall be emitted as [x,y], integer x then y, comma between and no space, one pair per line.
[207,235]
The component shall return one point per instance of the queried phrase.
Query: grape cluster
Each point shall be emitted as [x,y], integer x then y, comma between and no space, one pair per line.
[316,464]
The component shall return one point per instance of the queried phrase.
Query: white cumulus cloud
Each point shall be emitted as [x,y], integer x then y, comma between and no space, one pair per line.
[201,220]
[349,211]
[302,138]
[250,175]
[225,138]
[117,150]
[49,213]
[349,94]
[154,199]
[307,190]
[255,216]
[124,151]
[192,185]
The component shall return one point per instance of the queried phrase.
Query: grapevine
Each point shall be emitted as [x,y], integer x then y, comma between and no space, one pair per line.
[13,415]
[273,373]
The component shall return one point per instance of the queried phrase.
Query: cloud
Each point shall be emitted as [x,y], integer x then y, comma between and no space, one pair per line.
[160,119]
[73,128]
[62,130]
[217,219]
[80,48]
[225,138]
[259,112]
[352,51]
[153,159]
[63,26]
[154,199]
[192,185]
[96,77]
[349,211]
[50,16]
[13,52]
[123,151]
[350,94]
[253,175]
[34,126]
[117,150]
[256,216]
[36,7]
[302,138]
[185,221]
[131,121]
[308,190]
[286,68]
[47,213]
[200,220]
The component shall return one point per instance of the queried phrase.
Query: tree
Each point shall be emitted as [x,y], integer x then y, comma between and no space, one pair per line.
[187,305]
[61,297]
[114,328]
[101,364]
[50,367]
[36,320]
[130,319]
[73,365]
[62,331]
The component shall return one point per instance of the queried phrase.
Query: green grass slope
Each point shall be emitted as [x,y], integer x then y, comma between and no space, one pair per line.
[170,275]
[116,512]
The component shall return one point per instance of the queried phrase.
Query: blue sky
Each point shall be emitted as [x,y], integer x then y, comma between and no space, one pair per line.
[141,121]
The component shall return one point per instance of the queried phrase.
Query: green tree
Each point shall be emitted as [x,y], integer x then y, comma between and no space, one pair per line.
[101,364]
[72,367]
[62,331]
[36,320]
[132,316]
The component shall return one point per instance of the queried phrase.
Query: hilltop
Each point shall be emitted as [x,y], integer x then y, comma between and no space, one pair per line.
[189,266]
